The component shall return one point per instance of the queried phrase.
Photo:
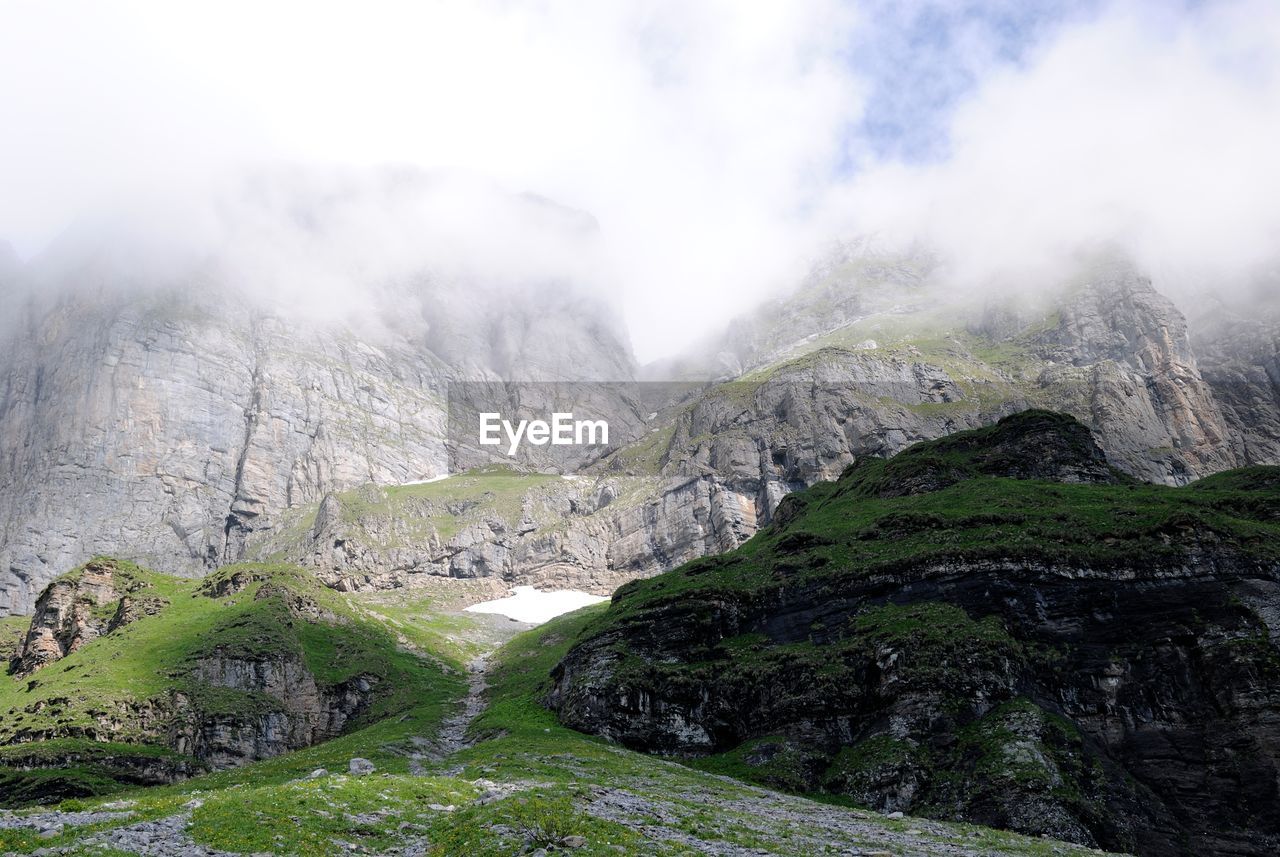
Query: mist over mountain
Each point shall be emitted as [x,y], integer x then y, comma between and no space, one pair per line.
[720,148]
[899,383]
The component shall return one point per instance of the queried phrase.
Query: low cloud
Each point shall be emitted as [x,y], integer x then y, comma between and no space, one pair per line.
[717,145]
[1138,129]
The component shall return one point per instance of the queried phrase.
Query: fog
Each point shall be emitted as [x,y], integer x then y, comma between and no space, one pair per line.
[709,149]
[1150,132]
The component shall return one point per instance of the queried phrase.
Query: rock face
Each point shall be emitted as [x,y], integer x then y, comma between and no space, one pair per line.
[1115,354]
[593,532]
[165,421]
[193,424]
[213,427]
[77,608]
[1239,352]
[1092,659]
[1153,412]
[304,715]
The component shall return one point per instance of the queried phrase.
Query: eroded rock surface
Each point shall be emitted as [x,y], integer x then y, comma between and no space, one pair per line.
[78,608]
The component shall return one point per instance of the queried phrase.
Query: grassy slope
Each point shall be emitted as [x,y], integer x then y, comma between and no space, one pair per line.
[413,516]
[270,806]
[844,528]
[844,531]
[12,629]
[152,657]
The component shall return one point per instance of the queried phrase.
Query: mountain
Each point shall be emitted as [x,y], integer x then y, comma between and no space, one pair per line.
[164,412]
[184,415]
[998,626]
[712,468]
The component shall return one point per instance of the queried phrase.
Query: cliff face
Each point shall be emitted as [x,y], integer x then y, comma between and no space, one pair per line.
[192,426]
[1239,352]
[1154,413]
[950,633]
[304,713]
[166,416]
[713,468]
[166,431]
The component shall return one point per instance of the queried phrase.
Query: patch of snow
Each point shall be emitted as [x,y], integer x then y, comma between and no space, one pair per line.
[439,478]
[528,604]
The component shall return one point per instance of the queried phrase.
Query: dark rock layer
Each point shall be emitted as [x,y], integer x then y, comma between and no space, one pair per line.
[1095,662]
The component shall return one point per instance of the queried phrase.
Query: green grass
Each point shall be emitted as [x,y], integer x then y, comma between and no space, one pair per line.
[12,630]
[419,619]
[94,694]
[845,529]
[272,806]
[773,761]
[445,507]
[646,456]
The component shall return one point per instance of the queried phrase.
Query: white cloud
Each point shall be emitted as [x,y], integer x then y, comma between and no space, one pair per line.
[699,134]
[711,140]
[1157,133]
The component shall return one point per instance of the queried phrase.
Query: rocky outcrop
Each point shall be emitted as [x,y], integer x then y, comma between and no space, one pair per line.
[47,787]
[591,533]
[294,711]
[1096,664]
[77,608]
[1153,412]
[1239,349]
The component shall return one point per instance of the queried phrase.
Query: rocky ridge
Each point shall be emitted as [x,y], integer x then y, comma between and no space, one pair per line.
[997,627]
[215,431]
[1115,354]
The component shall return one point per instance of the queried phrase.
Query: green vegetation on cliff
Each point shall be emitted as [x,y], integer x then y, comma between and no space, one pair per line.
[953,632]
[215,651]
[519,782]
[950,501]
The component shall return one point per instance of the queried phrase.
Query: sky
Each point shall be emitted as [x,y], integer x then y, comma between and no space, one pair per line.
[718,144]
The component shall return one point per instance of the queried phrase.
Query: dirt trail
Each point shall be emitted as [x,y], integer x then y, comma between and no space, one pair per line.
[453,732]
[492,632]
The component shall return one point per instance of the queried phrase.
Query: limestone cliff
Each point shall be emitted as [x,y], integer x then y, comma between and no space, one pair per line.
[1111,351]
[1239,348]
[165,416]
[192,425]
